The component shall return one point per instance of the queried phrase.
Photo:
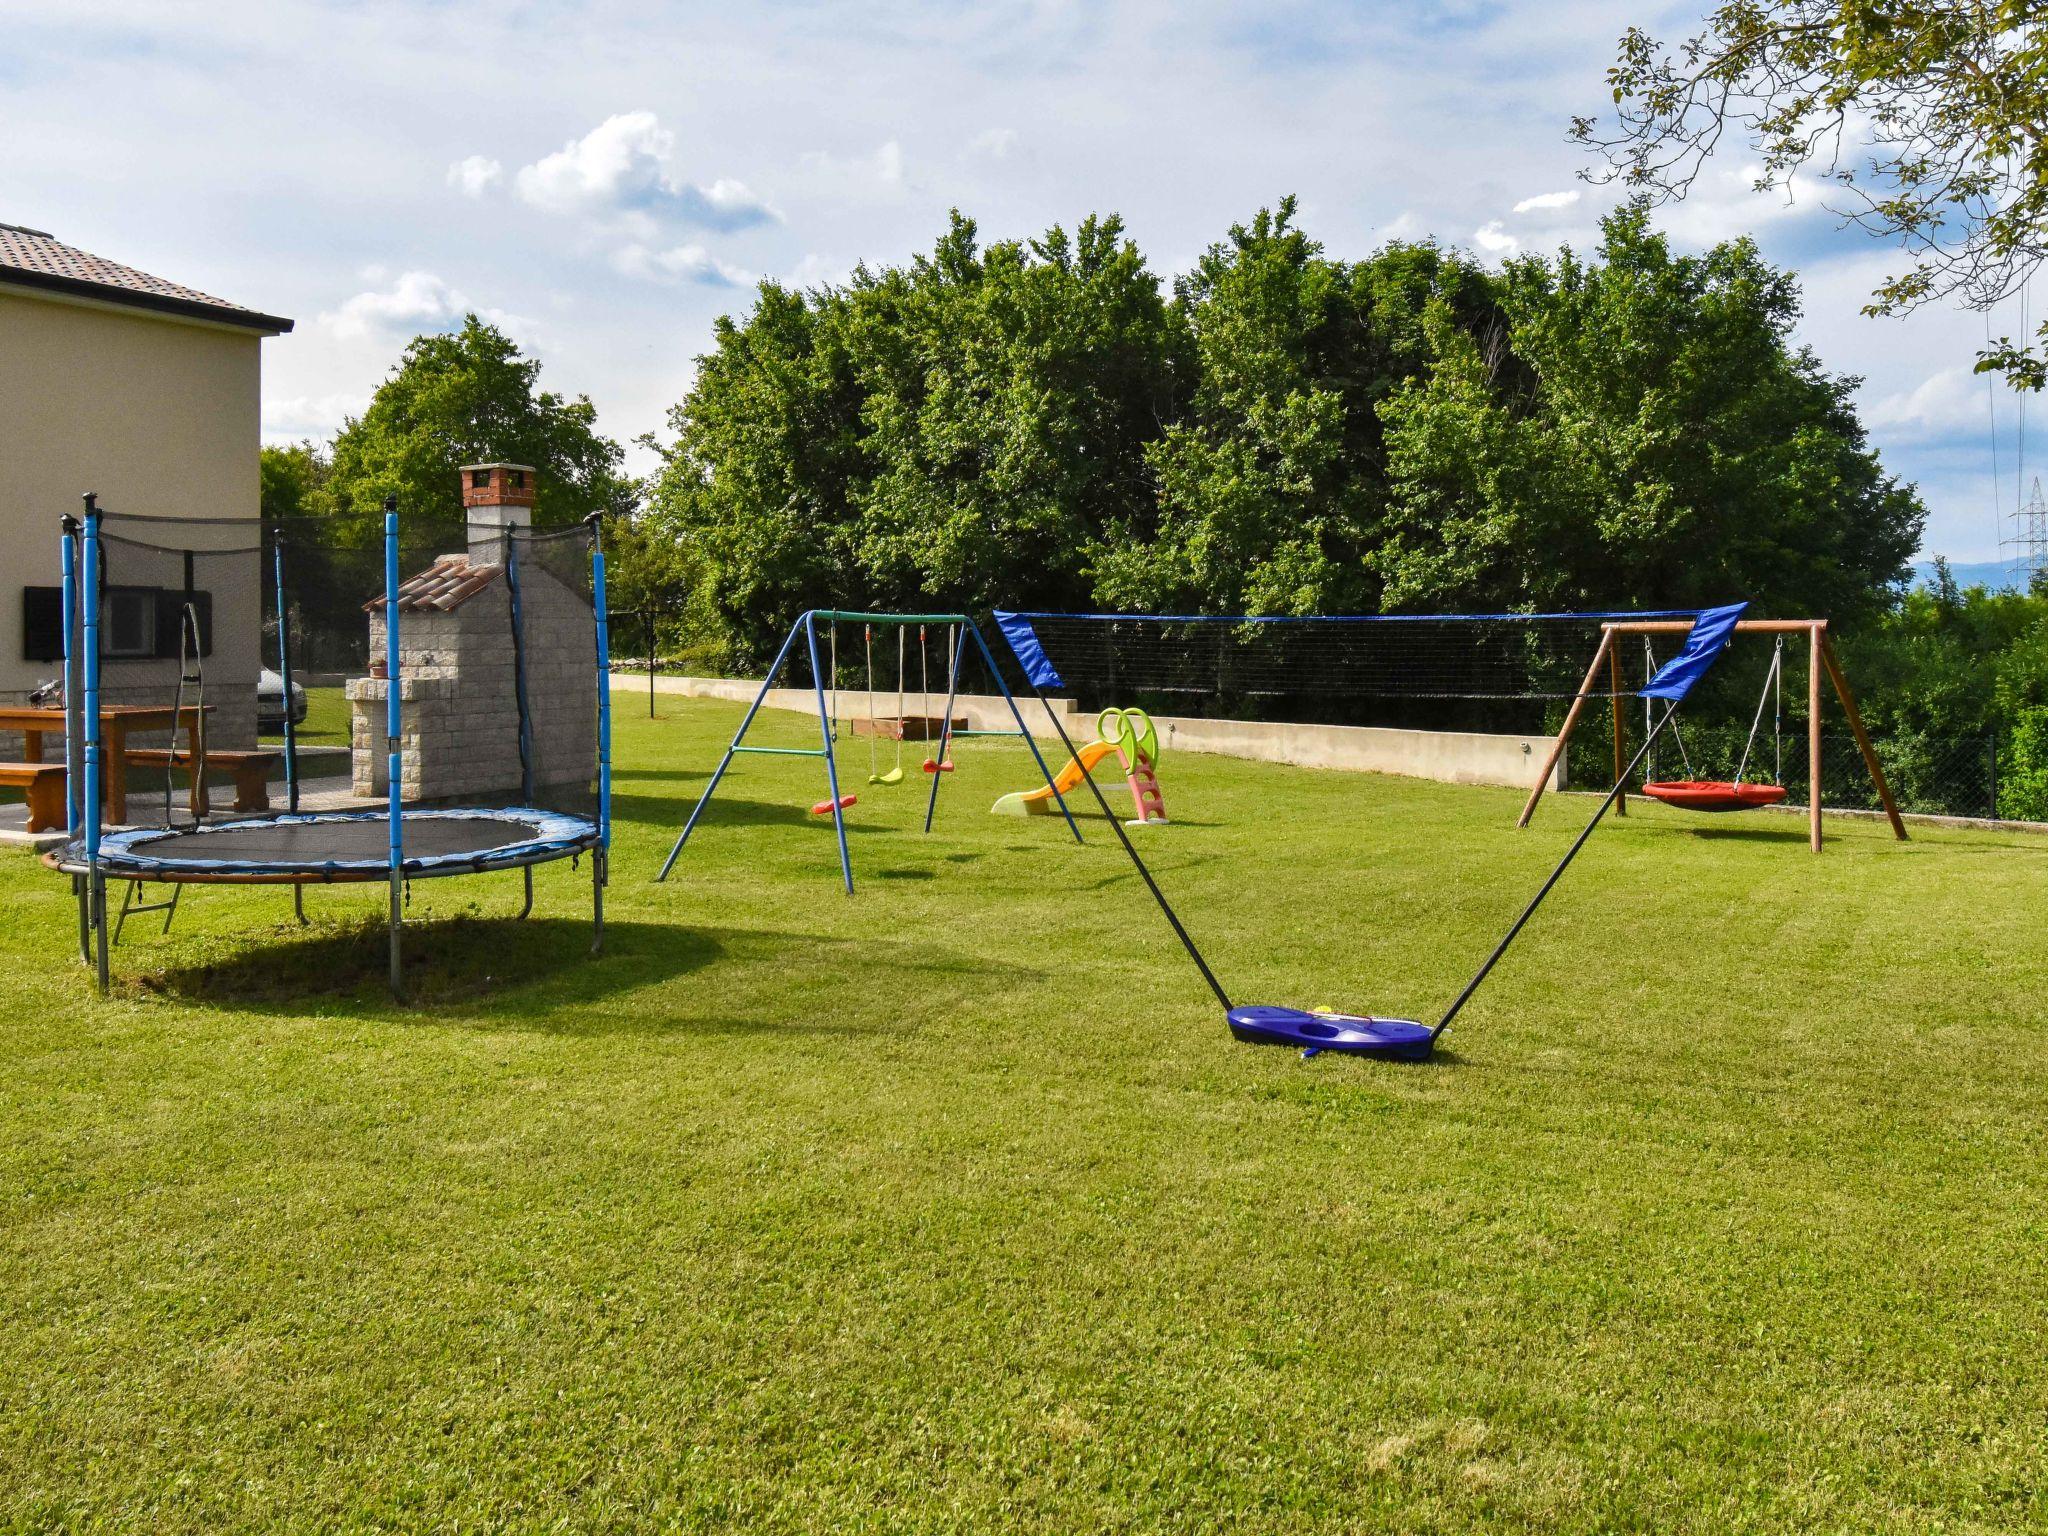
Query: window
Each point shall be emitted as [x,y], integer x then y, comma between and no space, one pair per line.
[518,478]
[130,622]
[42,623]
[479,479]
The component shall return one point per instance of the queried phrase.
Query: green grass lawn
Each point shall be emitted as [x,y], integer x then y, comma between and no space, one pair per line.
[954,1206]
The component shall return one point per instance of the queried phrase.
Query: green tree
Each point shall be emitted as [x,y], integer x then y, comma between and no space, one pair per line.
[1273,484]
[1661,443]
[468,397]
[1923,121]
[293,480]
[963,432]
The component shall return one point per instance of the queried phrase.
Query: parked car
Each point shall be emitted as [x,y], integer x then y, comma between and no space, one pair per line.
[270,702]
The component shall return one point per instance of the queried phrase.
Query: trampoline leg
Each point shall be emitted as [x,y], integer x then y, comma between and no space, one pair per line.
[299,903]
[396,925]
[597,878]
[527,906]
[79,887]
[99,923]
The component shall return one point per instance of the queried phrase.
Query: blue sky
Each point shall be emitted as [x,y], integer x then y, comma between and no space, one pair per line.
[605,178]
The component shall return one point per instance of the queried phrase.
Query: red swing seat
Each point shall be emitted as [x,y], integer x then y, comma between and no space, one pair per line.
[1714,794]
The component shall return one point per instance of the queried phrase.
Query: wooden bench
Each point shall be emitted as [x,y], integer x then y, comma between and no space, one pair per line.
[249,770]
[44,783]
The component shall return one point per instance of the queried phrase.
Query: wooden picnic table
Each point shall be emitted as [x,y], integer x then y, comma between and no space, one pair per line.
[35,721]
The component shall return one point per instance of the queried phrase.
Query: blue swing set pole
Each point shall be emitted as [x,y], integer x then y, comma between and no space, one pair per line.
[393,733]
[1029,740]
[946,722]
[725,762]
[831,765]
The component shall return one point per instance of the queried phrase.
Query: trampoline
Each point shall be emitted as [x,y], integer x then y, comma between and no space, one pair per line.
[336,846]
[487,690]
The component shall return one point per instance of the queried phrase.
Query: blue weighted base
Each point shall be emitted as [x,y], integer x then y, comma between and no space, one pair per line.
[1310,1033]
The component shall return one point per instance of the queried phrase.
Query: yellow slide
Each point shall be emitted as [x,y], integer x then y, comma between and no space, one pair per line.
[1040,802]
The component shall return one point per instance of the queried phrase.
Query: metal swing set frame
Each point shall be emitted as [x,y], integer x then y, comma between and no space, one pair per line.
[806,629]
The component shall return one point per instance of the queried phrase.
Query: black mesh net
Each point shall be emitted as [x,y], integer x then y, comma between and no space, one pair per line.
[280,688]
[1492,672]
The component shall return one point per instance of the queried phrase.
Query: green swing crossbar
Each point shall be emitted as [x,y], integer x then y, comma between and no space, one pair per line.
[783,751]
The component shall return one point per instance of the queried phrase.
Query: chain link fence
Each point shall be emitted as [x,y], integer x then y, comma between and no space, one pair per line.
[1930,775]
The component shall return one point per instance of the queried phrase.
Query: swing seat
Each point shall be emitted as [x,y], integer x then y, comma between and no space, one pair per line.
[826,807]
[1714,794]
[893,776]
[932,765]
[1355,1034]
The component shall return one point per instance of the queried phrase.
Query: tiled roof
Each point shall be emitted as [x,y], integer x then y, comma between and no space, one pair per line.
[448,583]
[34,259]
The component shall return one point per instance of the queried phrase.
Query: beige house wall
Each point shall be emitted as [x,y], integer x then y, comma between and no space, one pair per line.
[160,416]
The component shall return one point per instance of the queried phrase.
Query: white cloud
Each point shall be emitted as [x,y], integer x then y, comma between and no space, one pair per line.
[416,301]
[626,165]
[1546,200]
[991,144]
[475,174]
[682,263]
[1493,239]
[413,303]
[1953,400]
[883,168]
[318,417]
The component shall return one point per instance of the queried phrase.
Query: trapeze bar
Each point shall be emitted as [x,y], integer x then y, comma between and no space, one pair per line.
[956,735]
[782,751]
[891,618]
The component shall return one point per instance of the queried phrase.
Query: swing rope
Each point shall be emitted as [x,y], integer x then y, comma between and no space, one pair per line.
[1773,694]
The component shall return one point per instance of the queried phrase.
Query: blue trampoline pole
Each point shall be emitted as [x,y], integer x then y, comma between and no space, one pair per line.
[768,682]
[831,763]
[600,856]
[392,739]
[1029,740]
[89,597]
[74,765]
[945,724]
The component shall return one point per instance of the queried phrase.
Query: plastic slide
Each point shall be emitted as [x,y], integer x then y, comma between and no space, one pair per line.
[1039,801]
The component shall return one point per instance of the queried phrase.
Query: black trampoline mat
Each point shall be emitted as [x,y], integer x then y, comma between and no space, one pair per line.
[297,843]
[338,842]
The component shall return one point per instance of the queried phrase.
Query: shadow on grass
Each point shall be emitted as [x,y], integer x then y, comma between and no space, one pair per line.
[446,960]
[537,973]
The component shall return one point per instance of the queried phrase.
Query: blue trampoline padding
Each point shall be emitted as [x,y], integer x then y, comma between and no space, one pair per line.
[338,845]
[1357,1034]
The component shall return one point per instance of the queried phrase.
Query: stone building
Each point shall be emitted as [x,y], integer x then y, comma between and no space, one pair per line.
[459,670]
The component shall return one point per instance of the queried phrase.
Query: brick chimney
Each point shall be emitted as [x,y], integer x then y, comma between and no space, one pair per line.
[495,497]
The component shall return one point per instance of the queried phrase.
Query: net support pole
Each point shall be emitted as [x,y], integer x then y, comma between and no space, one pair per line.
[510,559]
[600,856]
[989,660]
[1556,874]
[725,762]
[89,728]
[1564,732]
[958,649]
[810,629]
[284,672]
[393,766]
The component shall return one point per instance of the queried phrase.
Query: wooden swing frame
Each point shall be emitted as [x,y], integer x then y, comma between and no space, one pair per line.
[1821,660]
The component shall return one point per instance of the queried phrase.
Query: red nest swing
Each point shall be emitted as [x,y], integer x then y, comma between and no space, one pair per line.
[1737,794]
[1714,794]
